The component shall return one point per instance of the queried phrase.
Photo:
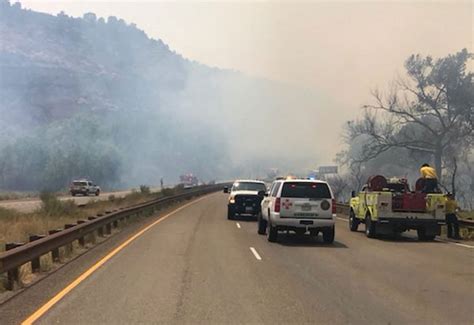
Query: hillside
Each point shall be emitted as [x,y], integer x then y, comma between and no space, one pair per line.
[95,97]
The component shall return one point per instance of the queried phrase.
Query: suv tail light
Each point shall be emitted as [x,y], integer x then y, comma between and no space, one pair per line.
[334,206]
[277,204]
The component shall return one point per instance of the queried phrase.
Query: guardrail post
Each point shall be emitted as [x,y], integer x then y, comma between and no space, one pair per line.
[81,240]
[13,276]
[69,246]
[35,263]
[55,252]
[108,229]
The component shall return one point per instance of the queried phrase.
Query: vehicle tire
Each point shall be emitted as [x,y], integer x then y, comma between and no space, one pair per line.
[97,193]
[73,193]
[230,213]
[423,236]
[329,234]
[369,227]
[262,225]
[272,233]
[353,221]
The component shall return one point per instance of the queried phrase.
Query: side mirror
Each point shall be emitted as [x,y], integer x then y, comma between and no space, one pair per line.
[226,189]
[353,194]
[261,193]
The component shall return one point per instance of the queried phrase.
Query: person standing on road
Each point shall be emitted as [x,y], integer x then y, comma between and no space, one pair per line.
[430,178]
[451,218]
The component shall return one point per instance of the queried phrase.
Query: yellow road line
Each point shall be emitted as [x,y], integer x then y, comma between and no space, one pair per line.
[43,309]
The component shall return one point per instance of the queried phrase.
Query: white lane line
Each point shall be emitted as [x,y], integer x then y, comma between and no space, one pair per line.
[343,219]
[453,243]
[255,253]
[237,224]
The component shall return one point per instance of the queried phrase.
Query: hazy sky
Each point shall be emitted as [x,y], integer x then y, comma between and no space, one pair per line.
[342,48]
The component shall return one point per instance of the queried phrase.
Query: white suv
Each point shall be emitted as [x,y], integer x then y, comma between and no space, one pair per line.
[299,205]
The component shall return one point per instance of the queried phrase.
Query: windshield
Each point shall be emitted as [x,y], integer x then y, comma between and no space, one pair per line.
[306,190]
[248,186]
[80,183]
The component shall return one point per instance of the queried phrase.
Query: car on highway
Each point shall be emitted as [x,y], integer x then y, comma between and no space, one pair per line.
[299,205]
[84,187]
[245,198]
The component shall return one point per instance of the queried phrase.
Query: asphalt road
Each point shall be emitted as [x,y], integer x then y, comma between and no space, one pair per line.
[32,204]
[198,267]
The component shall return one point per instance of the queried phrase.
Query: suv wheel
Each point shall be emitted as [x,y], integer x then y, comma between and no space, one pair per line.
[328,235]
[230,213]
[353,221]
[262,225]
[369,227]
[97,193]
[272,233]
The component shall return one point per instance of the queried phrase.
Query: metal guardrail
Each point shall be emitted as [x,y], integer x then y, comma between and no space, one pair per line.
[18,254]
[344,209]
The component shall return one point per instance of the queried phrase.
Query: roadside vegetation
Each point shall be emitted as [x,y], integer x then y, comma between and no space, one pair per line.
[54,213]
[424,116]
[9,195]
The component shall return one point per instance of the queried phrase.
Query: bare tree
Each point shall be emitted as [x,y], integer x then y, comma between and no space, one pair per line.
[339,184]
[429,112]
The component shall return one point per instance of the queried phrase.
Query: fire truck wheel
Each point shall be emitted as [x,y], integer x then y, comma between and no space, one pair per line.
[423,236]
[353,221]
[369,227]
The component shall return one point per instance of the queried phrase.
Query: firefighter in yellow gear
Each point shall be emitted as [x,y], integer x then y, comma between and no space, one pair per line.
[430,178]
[451,217]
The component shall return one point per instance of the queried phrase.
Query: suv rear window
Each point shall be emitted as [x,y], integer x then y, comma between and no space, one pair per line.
[248,186]
[80,183]
[306,190]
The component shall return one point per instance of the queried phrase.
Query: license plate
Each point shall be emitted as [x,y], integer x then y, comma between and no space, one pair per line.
[248,209]
[306,207]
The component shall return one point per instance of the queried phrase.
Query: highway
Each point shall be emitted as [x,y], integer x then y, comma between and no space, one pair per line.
[198,267]
[32,204]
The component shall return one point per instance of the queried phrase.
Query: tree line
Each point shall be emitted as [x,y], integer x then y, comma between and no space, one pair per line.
[425,116]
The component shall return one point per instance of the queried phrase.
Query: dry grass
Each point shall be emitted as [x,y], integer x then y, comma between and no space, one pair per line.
[16,226]
[54,214]
[466,215]
[7,195]
[466,233]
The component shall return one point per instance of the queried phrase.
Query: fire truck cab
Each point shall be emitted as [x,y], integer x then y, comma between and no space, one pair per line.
[388,207]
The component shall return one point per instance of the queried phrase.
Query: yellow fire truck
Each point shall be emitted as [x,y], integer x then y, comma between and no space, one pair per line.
[388,207]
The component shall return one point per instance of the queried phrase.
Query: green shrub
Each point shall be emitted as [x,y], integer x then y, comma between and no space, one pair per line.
[52,206]
[168,191]
[144,189]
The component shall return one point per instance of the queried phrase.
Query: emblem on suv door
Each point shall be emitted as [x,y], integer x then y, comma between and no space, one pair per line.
[287,204]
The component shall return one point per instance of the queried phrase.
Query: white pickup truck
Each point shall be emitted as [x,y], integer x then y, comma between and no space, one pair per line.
[84,187]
